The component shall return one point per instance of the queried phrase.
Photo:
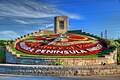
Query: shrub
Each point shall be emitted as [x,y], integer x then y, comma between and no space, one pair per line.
[2,56]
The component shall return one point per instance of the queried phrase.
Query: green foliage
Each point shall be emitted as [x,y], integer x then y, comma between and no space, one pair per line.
[115,43]
[118,40]
[59,62]
[118,55]
[2,56]
[5,42]
[108,41]
[2,44]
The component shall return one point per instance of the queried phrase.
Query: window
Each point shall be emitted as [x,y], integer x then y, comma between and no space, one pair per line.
[61,24]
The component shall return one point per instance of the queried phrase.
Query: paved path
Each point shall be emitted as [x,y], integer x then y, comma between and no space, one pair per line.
[13,77]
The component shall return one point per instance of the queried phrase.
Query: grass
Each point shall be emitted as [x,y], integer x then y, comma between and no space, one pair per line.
[43,56]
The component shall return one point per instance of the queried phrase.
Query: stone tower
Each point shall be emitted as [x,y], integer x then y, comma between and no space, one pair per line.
[61,24]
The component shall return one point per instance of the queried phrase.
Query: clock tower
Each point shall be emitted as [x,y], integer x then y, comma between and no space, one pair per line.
[61,24]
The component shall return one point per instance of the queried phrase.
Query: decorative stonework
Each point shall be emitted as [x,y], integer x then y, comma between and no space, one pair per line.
[38,70]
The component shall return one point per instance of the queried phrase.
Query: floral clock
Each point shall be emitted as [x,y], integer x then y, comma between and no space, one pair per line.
[60,45]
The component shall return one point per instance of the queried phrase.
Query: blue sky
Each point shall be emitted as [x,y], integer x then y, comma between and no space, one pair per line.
[20,17]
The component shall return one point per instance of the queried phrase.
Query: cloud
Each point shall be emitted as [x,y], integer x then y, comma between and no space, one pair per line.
[72,16]
[42,27]
[50,25]
[21,21]
[51,29]
[27,12]
[10,34]
[26,9]
[31,9]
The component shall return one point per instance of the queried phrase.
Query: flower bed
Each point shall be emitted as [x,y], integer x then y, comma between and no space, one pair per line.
[75,46]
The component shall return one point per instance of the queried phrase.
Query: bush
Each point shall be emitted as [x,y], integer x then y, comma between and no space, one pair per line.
[118,40]
[1,44]
[5,42]
[2,56]
[118,55]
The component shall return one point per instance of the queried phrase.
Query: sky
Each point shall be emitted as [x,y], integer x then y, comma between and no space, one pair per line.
[21,17]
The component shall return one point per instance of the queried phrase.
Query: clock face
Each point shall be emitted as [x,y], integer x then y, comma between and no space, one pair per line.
[60,45]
